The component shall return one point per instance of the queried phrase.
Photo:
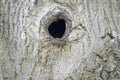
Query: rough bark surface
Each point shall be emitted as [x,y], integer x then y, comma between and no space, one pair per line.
[91,52]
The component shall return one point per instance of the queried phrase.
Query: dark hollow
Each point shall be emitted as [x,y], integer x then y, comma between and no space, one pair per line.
[57,28]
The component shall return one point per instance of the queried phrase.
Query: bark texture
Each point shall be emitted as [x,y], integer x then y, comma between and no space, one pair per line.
[91,51]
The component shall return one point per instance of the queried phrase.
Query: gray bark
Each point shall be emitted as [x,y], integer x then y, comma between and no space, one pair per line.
[91,51]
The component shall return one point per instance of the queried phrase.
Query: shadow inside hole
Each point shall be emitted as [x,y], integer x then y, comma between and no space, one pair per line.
[57,28]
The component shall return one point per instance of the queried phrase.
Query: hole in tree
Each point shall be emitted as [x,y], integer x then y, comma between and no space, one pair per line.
[57,28]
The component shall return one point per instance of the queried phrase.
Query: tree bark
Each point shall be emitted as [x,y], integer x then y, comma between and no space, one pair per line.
[91,51]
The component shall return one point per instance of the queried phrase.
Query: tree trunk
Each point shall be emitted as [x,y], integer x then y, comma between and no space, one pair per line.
[88,50]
